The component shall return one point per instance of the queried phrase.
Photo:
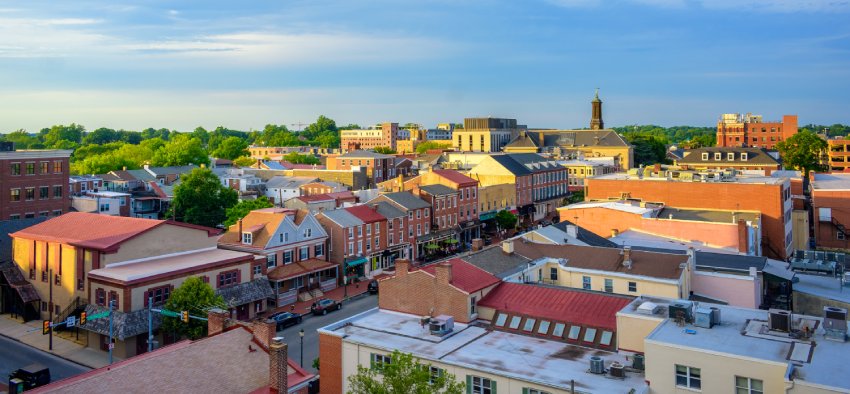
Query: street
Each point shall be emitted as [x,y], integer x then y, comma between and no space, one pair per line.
[14,355]
[312,323]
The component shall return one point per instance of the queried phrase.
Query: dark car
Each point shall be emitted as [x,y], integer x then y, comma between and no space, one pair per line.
[373,287]
[28,377]
[286,319]
[321,307]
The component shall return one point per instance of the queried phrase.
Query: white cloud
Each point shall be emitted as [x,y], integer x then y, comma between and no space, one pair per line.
[781,6]
[49,37]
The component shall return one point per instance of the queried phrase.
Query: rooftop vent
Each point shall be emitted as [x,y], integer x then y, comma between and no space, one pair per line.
[779,320]
[835,323]
[702,318]
[441,325]
[681,310]
[617,370]
[597,365]
[648,308]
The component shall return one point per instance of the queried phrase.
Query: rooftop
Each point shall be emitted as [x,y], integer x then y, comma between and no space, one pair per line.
[88,230]
[640,240]
[455,176]
[342,217]
[35,154]
[365,154]
[407,200]
[288,181]
[438,190]
[707,215]
[493,260]
[516,356]
[150,268]
[465,276]
[738,179]
[366,213]
[831,182]
[755,156]
[822,286]
[576,138]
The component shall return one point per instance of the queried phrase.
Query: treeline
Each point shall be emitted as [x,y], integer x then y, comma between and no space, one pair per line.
[105,149]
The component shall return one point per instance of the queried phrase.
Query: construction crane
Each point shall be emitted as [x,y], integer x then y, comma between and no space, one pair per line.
[299,125]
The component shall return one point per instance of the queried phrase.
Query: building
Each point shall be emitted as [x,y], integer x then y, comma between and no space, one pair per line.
[831,205]
[541,184]
[578,170]
[246,184]
[838,153]
[313,203]
[768,195]
[484,134]
[102,202]
[382,135]
[292,247]
[491,335]
[378,166]
[322,187]
[748,130]
[737,158]
[418,221]
[34,183]
[282,188]
[80,184]
[235,357]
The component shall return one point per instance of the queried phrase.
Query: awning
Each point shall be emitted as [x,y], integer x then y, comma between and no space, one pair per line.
[301,268]
[488,215]
[244,293]
[357,262]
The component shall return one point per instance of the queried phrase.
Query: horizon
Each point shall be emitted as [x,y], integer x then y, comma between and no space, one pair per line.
[208,64]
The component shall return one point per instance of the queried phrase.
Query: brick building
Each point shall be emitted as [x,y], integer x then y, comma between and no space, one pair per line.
[379,167]
[768,195]
[831,204]
[748,130]
[383,135]
[418,223]
[34,183]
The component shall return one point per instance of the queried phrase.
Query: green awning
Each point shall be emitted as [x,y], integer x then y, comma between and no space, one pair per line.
[357,262]
[487,215]
[450,241]
[432,246]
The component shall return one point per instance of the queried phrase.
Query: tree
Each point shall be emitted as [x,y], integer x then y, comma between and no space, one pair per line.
[241,209]
[201,199]
[385,150]
[181,150]
[22,139]
[201,134]
[803,151]
[403,374]
[55,134]
[231,148]
[297,158]
[506,220]
[243,161]
[321,125]
[649,149]
[428,145]
[101,136]
[194,296]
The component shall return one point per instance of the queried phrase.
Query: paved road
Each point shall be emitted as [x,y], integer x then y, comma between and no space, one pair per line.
[312,323]
[14,355]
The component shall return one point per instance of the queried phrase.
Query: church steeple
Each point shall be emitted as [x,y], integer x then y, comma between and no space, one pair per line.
[596,113]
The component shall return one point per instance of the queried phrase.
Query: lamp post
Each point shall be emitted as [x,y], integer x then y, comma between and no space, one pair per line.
[301,335]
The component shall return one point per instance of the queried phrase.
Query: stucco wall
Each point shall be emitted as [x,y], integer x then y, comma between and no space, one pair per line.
[164,239]
[738,290]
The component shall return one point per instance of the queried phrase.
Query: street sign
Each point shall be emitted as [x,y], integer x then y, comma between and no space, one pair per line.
[169,313]
[111,346]
[71,321]
[97,315]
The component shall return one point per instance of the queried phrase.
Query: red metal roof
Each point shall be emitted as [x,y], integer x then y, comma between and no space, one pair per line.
[465,276]
[565,305]
[366,213]
[456,177]
[316,197]
[88,230]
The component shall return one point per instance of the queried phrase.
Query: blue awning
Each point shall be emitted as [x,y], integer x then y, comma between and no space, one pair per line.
[488,215]
[357,262]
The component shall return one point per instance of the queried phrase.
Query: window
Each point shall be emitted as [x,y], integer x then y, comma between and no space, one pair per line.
[359,231]
[688,377]
[158,295]
[744,156]
[589,334]
[605,339]
[390,239]
[574,331]
[410,215]
[436,373]
[57,166]
[704,156]
[30,168]
[840,235]
[418,229]
[319,250]
[748,385]
[543,328]
[515,322]
[44,214]
[105,208]
[529,324]
[258,269]
[351,248]
[304,253]
[287,257]
[45,167]
[418,214]
[558,330]
[427,213]
[585,282]
[390,224]
[57,191]
[113,295]
[308,233]
[350,232]
[57,212]
[30,193]
[553,273]
[247,238]
[718,156]
[15,195]
[500,321]
[609,285]
[378,360]
[632,287]
[479,385]
[472,305]
[528,390]
[100,297]
[16,169]
[271,261]
[14,216]
[228,278]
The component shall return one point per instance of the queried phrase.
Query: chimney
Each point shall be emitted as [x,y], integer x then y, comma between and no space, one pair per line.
[279,365]
[402,266]
[146,166]
[692,257]
[124,168]
[216,321]
[240,230]
[443,273]
[615,232]
[627,257]
[508,246]
[657,168]
[375,207]
[572,230]
[264,331]
[743,236]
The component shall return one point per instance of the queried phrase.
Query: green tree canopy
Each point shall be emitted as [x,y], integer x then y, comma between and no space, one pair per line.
[201,199]
[385,150]
[231,148]
[243,161]
[402,375]
[193,296]
[102,135]
[506,220]
[321,125]
[54,136]
[22,139]
[649,149]
[297,158]
[181,150]
[241,209]
[803,151]
[428,145]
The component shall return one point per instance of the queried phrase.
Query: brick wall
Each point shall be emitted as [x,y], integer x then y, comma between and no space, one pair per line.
[434,296]
[330,363]
[826,234]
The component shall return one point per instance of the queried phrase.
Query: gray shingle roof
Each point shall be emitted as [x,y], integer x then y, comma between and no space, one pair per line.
[755,156]
[586,236]
[438,190]
[243,293]
[388,210]
[575,138]
[407,200]
[124,325]
[288,181]
[493,260]
[521,164]
[731,262]
[365,154]
[343,217]
[179,170]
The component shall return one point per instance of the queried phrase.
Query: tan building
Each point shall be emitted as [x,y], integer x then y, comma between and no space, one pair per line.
[573,144]
[484,134]
[839,154]
[382,135]
[579,170]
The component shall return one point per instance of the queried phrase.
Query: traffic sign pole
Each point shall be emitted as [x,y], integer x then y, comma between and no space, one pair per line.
[111,304]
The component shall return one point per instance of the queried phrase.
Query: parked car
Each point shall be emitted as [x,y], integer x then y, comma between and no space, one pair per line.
[29,377]
[286,319]
[373,287]
[321,307]
[544,223]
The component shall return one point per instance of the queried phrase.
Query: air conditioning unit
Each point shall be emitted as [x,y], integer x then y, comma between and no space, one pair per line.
[597,365]
[441,325]
[715,316]
[702,318]
[681,309]
[617,370]
[835,319]
[779,320]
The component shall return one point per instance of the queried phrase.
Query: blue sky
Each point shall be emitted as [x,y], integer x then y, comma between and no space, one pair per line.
[245,64]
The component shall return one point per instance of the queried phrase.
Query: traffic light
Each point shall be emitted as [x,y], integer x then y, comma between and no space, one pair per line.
[82,318]
[45,329]
[184,316]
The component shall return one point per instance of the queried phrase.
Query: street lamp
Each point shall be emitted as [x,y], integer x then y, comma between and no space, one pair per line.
[301,334]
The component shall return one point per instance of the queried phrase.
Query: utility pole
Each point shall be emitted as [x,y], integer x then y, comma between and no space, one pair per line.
[150,324]
[50,306]
[111,345]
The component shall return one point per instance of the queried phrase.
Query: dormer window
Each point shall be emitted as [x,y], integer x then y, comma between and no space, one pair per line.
[308,233]
[744,156]
[704,156]
[718,156]
[730,156]
[247,238]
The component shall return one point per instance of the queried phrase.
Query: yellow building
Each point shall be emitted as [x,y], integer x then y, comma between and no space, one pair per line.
[574,144]
[579,170]
[484,134]
[838,152]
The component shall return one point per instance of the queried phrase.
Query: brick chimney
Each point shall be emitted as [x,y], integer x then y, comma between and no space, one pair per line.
[627,257]
[278,365]
[402,266]
[743,239]
[264,331]
[216,321]
[508,246]
[443,273]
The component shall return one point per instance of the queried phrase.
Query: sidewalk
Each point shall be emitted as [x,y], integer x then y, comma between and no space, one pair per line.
[30,334]
[303,307]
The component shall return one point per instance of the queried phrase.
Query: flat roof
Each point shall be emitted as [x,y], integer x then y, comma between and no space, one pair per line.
[639,240]
[823,286]
[615,205]
[707,215]
[515,356]
[35,154]
[146,268]
[740,178]
[743,332]
[831,182]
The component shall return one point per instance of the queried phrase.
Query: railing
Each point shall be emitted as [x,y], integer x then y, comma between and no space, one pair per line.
[287,298]
[328,285]
[69,310]
[839,226]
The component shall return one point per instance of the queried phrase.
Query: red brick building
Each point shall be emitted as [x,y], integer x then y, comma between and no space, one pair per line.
[385,136]
[418,223]
[33,183]
[379,167]
[831,202]
[737,130]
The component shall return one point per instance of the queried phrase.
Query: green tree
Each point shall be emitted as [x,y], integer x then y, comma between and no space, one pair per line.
[193,296]
[231,148]
[201,134]
[22,139]
[385,150]
[241,209]
[428,145]
[803,151]
[201,199]
[402,375]
[102,135]
[297,158]
[72,133]
[110,157]
[181,150]
[506,220]
[321,125]
[649,148]
[243,161]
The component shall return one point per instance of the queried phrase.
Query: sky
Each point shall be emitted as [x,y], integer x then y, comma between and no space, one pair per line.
[245,64]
